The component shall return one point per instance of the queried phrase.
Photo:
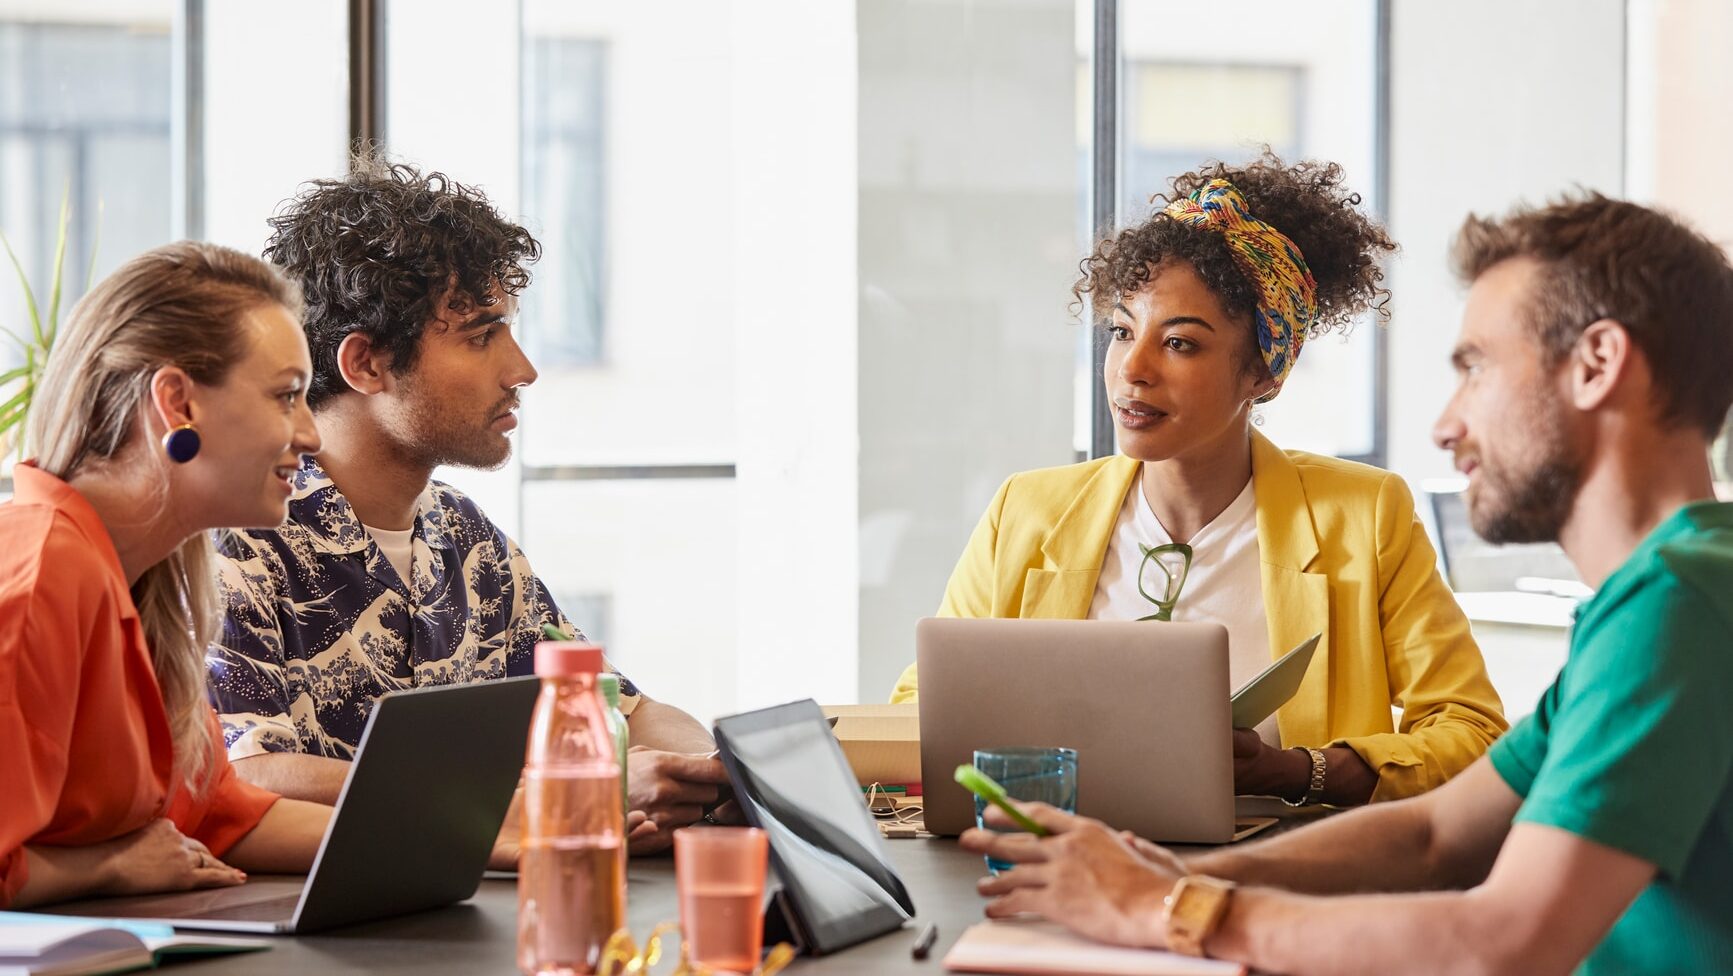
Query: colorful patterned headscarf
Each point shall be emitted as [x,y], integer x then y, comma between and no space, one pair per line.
[1287,295]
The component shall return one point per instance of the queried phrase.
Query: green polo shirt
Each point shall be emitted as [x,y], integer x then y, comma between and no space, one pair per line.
[1632,746]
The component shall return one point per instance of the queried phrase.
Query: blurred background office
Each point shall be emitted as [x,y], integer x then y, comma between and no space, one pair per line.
[805,298]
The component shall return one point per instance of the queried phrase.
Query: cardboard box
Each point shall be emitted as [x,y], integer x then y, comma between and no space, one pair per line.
[881,742]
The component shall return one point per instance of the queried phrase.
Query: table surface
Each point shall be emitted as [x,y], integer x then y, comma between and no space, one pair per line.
[479,936]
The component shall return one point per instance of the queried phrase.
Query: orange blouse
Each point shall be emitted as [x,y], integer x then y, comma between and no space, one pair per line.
[85,749]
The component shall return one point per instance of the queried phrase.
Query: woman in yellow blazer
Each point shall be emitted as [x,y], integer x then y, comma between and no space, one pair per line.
[1208,303]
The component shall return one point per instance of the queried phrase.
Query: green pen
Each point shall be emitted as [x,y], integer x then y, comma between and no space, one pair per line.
[988,789]
[554,633]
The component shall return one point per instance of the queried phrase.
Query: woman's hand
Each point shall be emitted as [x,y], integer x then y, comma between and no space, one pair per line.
[1262,770]
[154,858]
[1083,875]
[158,857]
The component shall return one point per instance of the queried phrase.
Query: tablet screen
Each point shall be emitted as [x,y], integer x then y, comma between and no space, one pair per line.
[791,781]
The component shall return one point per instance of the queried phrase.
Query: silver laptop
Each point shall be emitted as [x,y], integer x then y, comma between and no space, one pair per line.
[1146,706]
[415,823]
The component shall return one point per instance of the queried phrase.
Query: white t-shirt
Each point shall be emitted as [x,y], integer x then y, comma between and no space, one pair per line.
[1225,585]
[396,546]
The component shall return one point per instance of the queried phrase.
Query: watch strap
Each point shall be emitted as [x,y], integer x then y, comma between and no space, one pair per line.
[1315,786]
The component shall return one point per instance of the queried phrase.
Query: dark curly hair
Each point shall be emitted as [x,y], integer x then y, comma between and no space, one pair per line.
[374,253]
[1305,201]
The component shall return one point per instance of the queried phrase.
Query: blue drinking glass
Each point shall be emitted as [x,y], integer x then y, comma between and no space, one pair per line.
[1048,775]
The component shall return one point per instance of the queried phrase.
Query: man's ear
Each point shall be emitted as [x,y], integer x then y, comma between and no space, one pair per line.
[364,367]
[1600,363]
[171,398]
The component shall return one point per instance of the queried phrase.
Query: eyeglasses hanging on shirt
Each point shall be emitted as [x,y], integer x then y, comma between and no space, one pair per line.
[1163,570]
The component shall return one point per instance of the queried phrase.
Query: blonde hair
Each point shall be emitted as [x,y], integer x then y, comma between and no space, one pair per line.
[176,305]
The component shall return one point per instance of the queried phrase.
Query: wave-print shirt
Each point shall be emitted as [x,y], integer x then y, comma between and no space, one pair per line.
[319,624]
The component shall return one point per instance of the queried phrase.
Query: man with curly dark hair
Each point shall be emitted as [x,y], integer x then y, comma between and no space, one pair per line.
[1597,837]
[381,578]
[1207,305]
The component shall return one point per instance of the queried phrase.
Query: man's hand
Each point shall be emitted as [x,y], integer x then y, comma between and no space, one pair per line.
[1084,876]
[1262,770]
[509,843]
[672,790]
[508,849]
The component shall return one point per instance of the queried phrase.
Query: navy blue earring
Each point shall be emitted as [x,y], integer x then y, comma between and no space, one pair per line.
[182,443]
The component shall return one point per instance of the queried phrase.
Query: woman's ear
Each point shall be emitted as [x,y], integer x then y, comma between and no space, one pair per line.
[1262,386]
[362,365]
[171,399]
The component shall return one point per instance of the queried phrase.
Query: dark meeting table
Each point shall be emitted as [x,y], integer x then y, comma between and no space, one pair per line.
[480,936]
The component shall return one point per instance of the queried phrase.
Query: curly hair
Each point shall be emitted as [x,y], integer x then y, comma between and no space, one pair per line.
[376,251]
[1305,201]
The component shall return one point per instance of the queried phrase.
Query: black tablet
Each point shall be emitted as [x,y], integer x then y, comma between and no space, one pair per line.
[792,782]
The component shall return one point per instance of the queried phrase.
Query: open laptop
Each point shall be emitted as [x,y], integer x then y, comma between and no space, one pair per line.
[415,823]
[1146,706]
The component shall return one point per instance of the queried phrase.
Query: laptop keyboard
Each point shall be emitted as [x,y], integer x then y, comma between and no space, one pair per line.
[278,909]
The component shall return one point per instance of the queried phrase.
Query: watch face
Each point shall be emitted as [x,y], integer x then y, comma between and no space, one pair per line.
[1195,908]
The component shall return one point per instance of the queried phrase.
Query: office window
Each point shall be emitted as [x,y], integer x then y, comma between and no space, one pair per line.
[1165,132]
[274,99]
[599,126]
[1677,79]
[84,115]
[592,612]
[84,109]
[1301,79]
[628,324]
[563,183]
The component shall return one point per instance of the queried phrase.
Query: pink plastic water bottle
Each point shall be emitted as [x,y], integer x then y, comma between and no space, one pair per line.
[572,867]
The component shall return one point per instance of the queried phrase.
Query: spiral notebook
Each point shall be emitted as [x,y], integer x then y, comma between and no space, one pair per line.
[1030,947]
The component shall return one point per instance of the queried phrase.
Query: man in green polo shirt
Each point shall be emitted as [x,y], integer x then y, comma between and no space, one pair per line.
[1595,365]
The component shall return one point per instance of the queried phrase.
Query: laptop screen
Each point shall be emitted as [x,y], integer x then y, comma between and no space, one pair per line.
[1474,565]
[791,780]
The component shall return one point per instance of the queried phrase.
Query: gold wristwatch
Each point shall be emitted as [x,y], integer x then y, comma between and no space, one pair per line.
[1314,786]
[1194,909]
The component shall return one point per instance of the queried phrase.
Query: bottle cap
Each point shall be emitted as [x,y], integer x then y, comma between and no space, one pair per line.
[562,659]
[609,683]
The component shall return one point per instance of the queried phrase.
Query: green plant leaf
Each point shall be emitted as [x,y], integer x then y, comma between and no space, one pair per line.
[19,400]
[24,283]
[95,242]
[22,344]
[42,337]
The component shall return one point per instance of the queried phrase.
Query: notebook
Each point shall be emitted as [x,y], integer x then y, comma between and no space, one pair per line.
[1029,946]
[53,945]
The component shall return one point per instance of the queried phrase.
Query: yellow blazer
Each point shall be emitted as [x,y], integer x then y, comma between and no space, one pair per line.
[1343,554]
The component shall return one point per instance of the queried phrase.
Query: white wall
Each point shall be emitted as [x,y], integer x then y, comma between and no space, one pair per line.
[1491,103]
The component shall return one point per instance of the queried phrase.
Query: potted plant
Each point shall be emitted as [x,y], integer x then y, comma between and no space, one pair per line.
[18,384]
